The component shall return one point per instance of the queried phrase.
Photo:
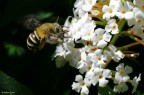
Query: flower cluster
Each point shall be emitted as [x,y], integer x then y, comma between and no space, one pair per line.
[89,42]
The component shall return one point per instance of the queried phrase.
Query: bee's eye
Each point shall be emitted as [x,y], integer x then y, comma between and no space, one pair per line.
[56,25]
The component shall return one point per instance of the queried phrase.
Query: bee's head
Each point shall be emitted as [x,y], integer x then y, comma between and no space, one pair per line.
[57,27]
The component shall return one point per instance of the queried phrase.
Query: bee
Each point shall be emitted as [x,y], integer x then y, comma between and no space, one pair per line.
[51,33]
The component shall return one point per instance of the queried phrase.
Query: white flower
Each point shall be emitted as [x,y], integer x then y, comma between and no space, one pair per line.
[85,64]
[138,30]
[109,11]
[122,73]
[90,73]
[87,47]
[98,58]
[83,6]
[81,85]
[137,22]
[87,6]
[139,16]
[131,21]
[73,57]
[121,77]
[64,49]
[83,60]
[100,76]
[88,31]
[60,51]
[78,12]
[121,87]
[124,11]
[78,3]
[112,27]
[67,51]
[139,3]
[90,49]
[115,54]
[102,37]
[88,69]
[137,19]
[114,2]
[135,82]
[82,26]
[67,24]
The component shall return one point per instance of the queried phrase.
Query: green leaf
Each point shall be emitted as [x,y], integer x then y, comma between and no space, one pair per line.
[60,62]
[14,50]
[105,91]
[9,86]
[44,15]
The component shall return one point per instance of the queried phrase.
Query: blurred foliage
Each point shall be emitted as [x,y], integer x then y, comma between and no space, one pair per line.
[105,91]
[8,86]
[14,50]
[44,15]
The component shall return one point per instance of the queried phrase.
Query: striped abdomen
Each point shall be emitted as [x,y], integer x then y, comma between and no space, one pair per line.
[34,42]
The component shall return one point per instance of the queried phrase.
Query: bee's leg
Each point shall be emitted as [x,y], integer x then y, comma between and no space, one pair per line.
[50,41]
[57,39]
[60,40]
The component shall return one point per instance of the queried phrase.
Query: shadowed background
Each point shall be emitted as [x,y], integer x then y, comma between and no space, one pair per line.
[35,71]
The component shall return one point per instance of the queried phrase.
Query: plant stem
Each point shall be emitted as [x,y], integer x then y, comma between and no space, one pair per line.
[129,45]
[121,23]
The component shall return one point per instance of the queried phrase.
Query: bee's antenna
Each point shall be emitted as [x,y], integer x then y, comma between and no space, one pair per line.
[57,19]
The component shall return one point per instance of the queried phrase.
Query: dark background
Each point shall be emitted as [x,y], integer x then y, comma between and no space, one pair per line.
[37,71]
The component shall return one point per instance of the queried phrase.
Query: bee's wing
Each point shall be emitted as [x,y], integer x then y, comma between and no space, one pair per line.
[30,22]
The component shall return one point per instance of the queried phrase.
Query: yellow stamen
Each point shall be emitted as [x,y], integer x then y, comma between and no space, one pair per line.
[110,11]
[100,77]
[100,38]
[123,12]
[142,7]
[113,27]
[89,33]
[89,67]
[93,49]
[83,83]
[139,21]
[99,58]
[121,72]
